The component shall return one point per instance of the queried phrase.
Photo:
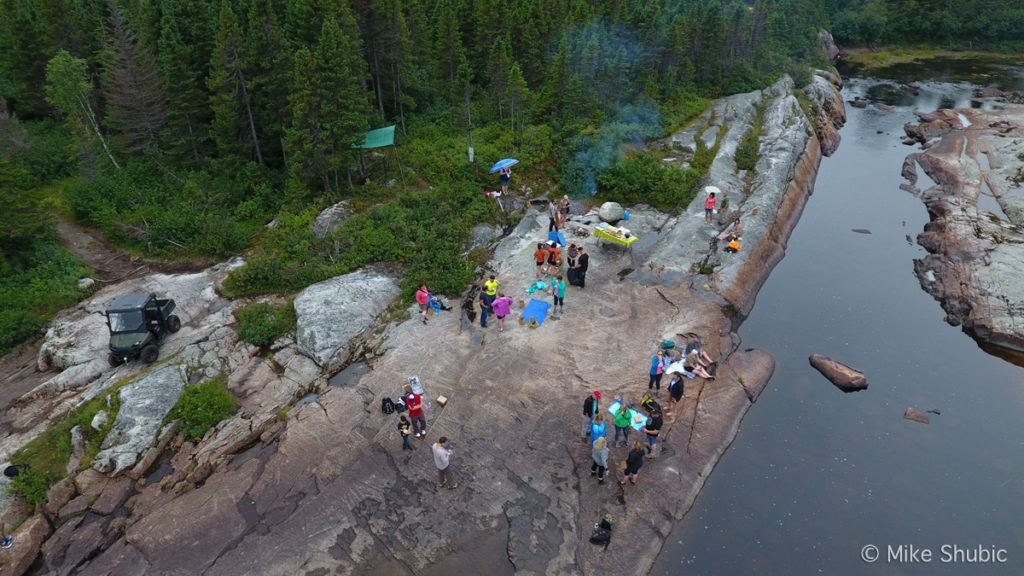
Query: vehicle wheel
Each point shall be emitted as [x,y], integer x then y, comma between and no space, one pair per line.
[114,360]
[150,354]
[173,323]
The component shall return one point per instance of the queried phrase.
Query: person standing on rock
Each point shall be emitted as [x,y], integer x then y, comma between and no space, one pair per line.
[506,178]
[591,408]
[657,371]
[540,257]
[554,258]
[405,429]
[599,454]
[723,208]
[564,207]
[578,275]
[622,423]
[491,289]
[634,462]
[558,295]
[554,215]
[652,430]
[709,207]
[485,308]
[502,307]
[597,430]
[423,300]
[442,459]
[571,254]
[415,404]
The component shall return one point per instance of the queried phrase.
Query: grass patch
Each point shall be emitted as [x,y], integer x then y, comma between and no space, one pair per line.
[748,152]
[866,60]
[679,112]
[47,455]
[261,324]
[202,406]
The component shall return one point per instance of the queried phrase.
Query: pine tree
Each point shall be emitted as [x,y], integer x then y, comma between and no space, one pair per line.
[24,49]
[330,106]
[234,123]
[188,113]
[449,54]
[131,87]
[268,70]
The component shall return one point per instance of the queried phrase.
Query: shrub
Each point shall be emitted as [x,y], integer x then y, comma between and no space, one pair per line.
[263,323]
[425,231]
[643,177]
[203,405]
[44,281]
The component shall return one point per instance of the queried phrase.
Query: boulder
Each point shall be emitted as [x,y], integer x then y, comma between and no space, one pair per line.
[330,314]
[113,496]
[844,377]
[858,102]
[77,449]
[99,420]
[144,405]
[29,537]
[331,219]
[828,45]
[915,415]
[483,235]
[611,212]
[86,283]
[58,495]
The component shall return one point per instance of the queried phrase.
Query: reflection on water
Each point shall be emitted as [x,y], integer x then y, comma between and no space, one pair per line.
[814,474]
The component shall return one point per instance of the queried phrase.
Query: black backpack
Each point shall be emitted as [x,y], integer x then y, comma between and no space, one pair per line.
[601,536]
[588,406]
[387,406]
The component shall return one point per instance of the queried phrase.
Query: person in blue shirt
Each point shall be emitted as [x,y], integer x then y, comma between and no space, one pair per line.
[657,371]
[597,430]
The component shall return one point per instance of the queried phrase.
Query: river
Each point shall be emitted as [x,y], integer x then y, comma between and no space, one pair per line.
[815,475]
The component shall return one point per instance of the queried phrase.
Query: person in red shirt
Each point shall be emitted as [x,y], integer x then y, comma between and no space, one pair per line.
[423,299]
[415,404]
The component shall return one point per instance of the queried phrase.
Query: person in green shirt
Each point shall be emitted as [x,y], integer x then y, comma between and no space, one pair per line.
[723,209]
[622,424]
[558,293]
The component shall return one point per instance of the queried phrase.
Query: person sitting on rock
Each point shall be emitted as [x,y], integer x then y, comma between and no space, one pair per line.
[694,349]
[734,244]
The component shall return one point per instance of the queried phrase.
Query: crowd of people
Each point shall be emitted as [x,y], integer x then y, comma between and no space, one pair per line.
[689,362]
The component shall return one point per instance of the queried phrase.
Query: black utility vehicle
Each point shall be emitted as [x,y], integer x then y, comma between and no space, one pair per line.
[138,322]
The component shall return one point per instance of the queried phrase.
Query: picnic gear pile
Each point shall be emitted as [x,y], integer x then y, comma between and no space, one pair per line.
[618,234]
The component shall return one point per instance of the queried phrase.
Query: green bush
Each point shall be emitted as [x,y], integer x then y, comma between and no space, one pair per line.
[193,214]
[425,231]
[263,323]
[46,456]
[681,110]
[643,178]
[203,405]
[44,281]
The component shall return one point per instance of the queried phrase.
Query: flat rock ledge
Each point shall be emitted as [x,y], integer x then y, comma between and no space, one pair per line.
[975,239]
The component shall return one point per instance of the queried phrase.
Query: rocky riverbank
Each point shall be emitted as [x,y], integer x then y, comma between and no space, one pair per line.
[975,240]
[309,477]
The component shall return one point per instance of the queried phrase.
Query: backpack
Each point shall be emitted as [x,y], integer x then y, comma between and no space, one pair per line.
[588,406]
[601,537]
[387,406]
[650,404]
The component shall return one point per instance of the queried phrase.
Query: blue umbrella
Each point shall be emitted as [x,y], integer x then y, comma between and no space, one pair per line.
[507,162]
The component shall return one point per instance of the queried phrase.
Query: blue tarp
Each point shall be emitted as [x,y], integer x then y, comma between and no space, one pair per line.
[536,309]
[556,236]
[636,419]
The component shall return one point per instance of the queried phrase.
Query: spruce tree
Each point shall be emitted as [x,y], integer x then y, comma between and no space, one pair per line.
[268,71]
[234,127]
[132,90]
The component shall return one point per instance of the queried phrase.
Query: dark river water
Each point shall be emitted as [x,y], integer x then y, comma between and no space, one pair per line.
[816,475]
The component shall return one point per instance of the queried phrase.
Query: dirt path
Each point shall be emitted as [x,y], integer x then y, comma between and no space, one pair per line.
[109,263]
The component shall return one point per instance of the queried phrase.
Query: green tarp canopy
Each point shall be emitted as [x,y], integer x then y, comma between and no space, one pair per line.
[378,138]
